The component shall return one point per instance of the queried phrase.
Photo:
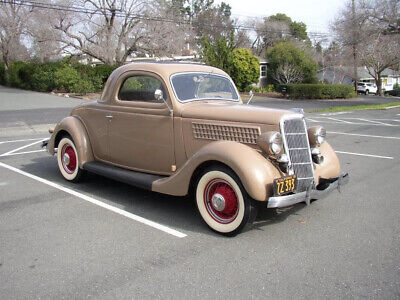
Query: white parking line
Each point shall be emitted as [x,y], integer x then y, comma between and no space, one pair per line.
[393,120]
[366,135]
[342,122]
[98,203]
[311,120]
[17,141]
[338,120]
[336,113]
[375,122]
[20,148]
[26,152]
[368,155]
[370,121]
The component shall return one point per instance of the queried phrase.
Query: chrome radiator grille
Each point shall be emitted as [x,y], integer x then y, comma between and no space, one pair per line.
[298,150]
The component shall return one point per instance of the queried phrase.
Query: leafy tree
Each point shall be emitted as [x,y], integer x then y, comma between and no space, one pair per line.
[206,18]
[297,29]
[284,55]
[277,28]
[240,64]
[219,53]
[245,69]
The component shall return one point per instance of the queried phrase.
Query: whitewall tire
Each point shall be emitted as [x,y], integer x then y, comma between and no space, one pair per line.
[222,201]
[68,160]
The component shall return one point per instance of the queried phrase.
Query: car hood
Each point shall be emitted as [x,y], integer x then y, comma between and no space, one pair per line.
[234,112]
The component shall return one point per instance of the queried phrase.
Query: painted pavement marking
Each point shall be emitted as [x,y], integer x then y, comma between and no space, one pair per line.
[98,203]
[367,155]
[366,135]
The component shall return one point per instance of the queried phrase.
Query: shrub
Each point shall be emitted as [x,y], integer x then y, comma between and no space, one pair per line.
[245,68]
[61,76]
[44,78]
[317,91]
[66,78]
[102,72]
[12,74]
[269,88]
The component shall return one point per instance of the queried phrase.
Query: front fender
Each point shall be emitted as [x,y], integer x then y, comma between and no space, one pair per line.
[330,168]
[75,128]
[255,171]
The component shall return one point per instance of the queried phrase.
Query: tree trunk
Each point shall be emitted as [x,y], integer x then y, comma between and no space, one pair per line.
[6,62]
[379,84]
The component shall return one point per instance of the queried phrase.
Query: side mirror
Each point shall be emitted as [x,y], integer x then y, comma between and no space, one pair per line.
[251,94]
[159,96]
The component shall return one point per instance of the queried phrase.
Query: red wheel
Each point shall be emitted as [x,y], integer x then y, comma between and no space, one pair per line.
[69,157]
[222,201]
[68,160]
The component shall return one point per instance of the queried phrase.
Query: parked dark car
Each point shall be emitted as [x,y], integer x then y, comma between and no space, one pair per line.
[395,92]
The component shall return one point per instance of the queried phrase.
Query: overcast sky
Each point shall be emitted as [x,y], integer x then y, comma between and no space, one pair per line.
[317,14]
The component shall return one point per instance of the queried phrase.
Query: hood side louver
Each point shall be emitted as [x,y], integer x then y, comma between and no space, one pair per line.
[241,134]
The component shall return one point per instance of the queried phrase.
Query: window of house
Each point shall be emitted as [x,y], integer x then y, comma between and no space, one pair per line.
[263,71]
[140,88]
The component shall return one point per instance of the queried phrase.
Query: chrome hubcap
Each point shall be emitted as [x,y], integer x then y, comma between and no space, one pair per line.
[66,159]
[218,202]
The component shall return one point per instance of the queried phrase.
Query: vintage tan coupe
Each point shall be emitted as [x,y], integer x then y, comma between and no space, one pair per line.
[173,128]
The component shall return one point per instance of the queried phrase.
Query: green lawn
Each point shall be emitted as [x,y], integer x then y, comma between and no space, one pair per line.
[356,107]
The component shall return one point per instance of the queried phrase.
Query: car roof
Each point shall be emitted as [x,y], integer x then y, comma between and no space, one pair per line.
[168,68]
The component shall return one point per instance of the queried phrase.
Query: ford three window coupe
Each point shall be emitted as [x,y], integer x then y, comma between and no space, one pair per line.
[174,128]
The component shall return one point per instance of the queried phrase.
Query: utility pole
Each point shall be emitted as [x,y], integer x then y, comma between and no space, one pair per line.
[355,44]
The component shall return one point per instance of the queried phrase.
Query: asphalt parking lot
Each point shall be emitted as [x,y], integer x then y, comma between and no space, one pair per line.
[105,239]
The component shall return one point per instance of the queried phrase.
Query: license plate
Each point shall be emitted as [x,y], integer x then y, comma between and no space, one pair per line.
[285,185]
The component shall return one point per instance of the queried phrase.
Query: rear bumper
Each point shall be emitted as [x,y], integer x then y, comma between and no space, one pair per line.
[287,200]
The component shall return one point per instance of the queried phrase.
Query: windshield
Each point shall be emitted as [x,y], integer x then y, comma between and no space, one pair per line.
[199,86]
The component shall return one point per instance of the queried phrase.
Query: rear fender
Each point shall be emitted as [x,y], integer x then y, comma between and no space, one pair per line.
[74,127]
[255,171]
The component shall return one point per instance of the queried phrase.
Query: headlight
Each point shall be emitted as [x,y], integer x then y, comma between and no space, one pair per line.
[317,135]
[270,142]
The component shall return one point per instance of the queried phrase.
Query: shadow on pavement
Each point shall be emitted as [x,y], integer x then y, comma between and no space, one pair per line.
[176,212]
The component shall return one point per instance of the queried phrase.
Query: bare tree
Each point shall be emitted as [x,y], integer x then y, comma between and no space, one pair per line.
[43,39]
[386,15]
[287,73]
[13,23]
[113,30]
[372,32]
[379,53]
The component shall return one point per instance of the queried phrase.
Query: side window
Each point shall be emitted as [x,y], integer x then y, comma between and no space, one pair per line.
[140,88]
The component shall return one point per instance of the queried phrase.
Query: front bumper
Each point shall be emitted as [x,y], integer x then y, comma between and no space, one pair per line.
[306,196]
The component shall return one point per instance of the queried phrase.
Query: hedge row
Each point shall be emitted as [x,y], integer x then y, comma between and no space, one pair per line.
[58,76]
[317,91]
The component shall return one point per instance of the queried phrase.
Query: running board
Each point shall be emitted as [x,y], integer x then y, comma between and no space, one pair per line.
[138,179]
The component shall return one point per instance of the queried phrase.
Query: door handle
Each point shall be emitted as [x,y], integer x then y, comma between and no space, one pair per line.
[109,117]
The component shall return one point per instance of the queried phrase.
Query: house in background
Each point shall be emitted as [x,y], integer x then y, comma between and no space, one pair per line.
[262,82]
[389,78]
